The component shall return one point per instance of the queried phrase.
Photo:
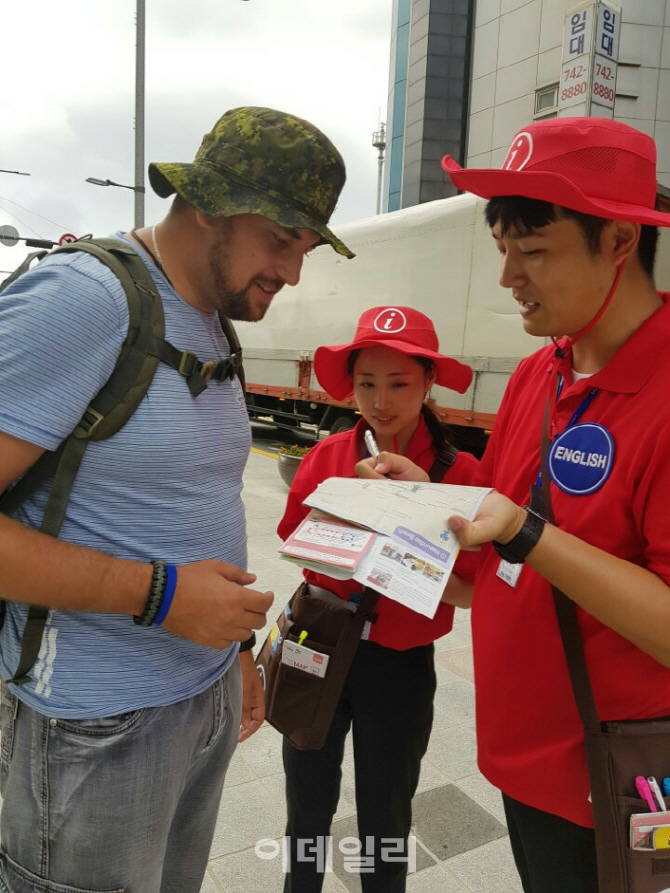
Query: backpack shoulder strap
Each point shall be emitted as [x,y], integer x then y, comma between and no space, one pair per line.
[196,373]
[136,365]
[235,348]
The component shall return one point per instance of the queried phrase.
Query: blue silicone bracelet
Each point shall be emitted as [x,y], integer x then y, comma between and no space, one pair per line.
[170,587]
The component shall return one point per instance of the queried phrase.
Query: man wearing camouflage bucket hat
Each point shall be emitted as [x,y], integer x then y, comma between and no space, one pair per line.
[294,175]
[144,714]
[262,186]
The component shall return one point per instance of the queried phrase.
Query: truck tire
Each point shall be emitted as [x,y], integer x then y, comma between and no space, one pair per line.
[342,423]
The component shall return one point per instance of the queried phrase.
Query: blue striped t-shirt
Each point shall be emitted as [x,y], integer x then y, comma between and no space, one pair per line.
[167,485]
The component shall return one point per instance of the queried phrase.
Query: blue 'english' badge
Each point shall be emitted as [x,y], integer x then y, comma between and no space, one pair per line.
[580,459]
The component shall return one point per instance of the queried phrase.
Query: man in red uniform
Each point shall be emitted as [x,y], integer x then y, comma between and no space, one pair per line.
[572,214]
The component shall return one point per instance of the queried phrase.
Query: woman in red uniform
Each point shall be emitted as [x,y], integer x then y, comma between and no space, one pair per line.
[387,699]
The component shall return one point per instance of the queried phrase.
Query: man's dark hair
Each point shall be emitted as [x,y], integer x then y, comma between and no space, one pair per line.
[526,214]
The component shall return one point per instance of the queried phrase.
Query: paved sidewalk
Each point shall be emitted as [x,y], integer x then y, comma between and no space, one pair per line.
[462,843]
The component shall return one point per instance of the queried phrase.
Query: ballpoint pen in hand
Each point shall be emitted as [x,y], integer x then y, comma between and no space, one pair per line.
[371,444]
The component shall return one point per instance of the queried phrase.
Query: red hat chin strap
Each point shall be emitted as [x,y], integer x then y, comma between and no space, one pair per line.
[560,351]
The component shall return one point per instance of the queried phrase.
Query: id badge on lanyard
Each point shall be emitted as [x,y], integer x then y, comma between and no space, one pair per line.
[509,573]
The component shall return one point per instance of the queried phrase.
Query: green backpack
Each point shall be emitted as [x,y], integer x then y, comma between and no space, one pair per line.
[143,348]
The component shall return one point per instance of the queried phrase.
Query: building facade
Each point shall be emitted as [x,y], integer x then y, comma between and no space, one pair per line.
[429,90]
[510,69]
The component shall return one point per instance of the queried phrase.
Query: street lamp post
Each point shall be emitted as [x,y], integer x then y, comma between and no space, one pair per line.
[139,116]
[98,182]
[138,188]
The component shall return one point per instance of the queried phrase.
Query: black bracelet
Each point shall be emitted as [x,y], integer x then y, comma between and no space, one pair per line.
[159,582]
[249,643]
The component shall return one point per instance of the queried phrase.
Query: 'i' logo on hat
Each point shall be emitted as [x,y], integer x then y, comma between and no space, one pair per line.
[390,320]
[520,152]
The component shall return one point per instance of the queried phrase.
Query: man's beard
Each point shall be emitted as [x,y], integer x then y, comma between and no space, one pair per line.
[233,304]
[236,305]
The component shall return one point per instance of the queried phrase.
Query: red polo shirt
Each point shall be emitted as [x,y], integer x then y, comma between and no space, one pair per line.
[397,626]
[529,732]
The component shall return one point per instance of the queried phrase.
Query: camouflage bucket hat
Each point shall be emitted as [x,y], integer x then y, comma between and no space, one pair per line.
[261,161]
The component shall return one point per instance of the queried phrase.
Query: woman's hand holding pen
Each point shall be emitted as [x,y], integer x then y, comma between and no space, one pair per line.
[390,465]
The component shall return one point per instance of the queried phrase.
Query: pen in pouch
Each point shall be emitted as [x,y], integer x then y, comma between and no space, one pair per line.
[656,791]
[302,637]
[645,793]
[666,786]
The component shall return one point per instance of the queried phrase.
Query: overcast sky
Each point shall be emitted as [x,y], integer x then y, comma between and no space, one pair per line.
[67,103]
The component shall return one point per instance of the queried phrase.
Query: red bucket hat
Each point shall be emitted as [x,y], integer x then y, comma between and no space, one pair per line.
[593,165]
[401,328]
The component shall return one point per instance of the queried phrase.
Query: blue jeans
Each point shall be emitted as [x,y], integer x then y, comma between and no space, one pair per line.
[124,804]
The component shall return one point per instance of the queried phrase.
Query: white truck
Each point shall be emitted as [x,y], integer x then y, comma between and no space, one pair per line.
[438,257]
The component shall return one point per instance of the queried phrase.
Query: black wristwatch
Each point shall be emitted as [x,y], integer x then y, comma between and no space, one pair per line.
[249,643]
[517,549]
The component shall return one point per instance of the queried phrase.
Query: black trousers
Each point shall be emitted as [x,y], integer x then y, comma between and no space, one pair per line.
[387,701]
[552,855]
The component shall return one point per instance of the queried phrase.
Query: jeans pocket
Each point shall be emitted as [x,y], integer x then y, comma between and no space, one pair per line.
[9,705]
[100,727]
[16,879]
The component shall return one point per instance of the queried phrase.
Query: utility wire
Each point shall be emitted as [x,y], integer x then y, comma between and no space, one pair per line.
[22,222]
[5,199]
